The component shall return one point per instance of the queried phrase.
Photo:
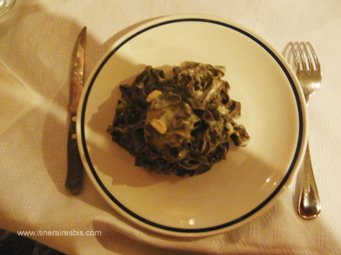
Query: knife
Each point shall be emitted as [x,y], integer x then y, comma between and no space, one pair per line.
[75,170]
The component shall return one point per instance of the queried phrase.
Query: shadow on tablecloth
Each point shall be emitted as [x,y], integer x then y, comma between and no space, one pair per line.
[11,243]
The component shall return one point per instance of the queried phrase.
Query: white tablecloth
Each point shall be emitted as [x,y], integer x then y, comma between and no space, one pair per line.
[36,42]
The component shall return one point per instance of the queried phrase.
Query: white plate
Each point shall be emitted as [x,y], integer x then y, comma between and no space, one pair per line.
[234,190]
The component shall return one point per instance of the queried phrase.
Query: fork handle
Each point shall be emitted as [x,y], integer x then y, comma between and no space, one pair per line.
[309,206]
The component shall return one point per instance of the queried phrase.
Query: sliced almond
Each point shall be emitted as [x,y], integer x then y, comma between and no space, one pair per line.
[159,126]
[152,95]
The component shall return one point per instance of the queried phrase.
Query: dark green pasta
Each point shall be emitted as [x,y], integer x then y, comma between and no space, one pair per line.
[183,124]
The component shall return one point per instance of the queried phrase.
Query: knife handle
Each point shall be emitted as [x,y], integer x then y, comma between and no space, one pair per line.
[75,170]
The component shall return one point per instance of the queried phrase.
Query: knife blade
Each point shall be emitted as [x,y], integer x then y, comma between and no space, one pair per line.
[75,170]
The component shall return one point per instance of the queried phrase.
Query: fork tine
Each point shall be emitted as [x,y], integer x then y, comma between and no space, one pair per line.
[287,53]
[307,56]
[316,61]
[301,57]
[296,57]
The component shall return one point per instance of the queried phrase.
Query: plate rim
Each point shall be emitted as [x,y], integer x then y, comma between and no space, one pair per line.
[175,231]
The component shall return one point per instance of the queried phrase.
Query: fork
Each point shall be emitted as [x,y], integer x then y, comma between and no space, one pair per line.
[304,61]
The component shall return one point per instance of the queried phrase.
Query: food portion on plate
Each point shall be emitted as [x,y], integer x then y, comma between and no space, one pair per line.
[181,124]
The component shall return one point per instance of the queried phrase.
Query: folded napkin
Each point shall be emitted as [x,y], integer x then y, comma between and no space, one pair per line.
[16,98]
